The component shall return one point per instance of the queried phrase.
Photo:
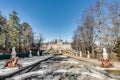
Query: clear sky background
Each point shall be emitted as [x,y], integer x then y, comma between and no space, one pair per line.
[53,18]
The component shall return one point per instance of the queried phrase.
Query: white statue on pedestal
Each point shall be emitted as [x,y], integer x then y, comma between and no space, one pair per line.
[80,54]
[88,55]
[30,55]
[38,53]
[13,53]
[105,55]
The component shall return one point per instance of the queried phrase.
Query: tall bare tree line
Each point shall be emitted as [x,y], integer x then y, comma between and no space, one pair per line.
[99,26]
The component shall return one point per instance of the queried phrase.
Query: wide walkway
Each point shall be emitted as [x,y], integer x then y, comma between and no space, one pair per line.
[95,61]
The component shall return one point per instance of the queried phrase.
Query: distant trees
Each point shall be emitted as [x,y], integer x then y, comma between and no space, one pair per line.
[39,41]
[99,24]
[3,24]
[117,49]
[83,38]
[114,18]
[13,33]
[13,29]
[27,38]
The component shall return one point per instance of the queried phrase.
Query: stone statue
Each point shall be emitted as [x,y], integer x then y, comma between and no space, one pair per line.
[88,55]
[105,62]
[80,54]
[12,62]
[13,53]
[105,55]
[38,53]
[30,55]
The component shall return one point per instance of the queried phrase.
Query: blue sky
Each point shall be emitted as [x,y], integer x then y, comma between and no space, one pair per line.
[53,18]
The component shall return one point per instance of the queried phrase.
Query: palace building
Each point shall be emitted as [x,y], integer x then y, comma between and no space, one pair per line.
[57,45]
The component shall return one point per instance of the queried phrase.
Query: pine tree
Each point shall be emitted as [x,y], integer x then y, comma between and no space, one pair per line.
[13,29]
[27,35]
[3,24]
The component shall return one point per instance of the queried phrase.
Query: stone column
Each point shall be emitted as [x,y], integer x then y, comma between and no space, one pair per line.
[88,55]
[80,54]
[30,55]
[38,53]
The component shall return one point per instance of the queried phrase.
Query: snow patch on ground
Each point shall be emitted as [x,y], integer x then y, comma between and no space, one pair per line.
[24,62]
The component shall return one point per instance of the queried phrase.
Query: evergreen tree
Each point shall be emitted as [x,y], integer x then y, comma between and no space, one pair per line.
[27,35]
[3,24]
[13,29]
[12,33]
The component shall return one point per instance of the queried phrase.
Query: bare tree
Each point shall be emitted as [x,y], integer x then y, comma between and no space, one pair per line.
[40,40]
[100,24]
[84,35]
[114,17]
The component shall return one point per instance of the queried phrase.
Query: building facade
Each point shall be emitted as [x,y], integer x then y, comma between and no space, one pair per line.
[57,45]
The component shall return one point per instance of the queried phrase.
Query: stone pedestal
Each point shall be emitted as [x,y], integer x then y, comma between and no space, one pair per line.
[30,55]
[88,55]
[80,54]
[38,53]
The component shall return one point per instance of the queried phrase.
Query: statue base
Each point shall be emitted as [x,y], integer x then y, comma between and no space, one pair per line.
[12,62]
[105,63]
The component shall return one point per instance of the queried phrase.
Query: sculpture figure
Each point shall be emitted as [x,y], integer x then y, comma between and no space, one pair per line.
[80,54]
[30,55]
[105,55]
[38,53]
[105,63]
[12,62]
[13,53]
[88,55]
